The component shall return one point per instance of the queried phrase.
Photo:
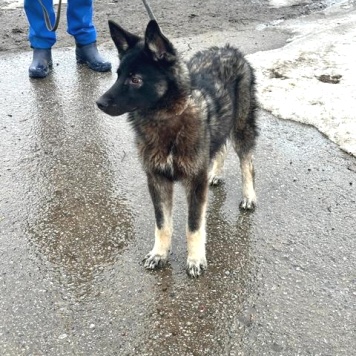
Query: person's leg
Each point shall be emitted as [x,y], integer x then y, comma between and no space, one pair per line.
[81,27]
[40,38]
[80,21]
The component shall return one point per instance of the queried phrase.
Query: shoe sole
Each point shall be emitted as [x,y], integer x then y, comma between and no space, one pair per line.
[103,68]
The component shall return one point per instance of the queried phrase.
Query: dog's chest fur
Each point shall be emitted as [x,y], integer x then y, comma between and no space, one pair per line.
[171,145]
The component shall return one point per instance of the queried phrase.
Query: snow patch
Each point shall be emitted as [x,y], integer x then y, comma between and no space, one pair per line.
[285,3]
[313,79]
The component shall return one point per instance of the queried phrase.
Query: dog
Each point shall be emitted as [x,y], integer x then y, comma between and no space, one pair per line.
[183,115]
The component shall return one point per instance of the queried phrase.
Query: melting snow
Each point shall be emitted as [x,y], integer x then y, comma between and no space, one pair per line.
[313,79]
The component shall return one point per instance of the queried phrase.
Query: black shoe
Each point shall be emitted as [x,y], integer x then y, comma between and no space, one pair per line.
[90,56]
[41,63]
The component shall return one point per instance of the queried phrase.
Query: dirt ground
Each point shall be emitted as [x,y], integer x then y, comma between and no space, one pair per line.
[176,18]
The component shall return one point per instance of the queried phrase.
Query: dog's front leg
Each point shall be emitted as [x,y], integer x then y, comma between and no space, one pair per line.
[197,195]
[161,191]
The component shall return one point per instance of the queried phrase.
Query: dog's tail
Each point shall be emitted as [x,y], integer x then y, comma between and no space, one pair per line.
[241,81]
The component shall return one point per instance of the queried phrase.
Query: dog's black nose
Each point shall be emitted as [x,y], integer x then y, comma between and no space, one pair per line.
[102,104]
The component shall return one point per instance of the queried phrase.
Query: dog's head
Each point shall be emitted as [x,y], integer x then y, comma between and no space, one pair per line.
[145,72]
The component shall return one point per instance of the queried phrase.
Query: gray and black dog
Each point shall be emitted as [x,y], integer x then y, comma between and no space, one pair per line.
[182,115]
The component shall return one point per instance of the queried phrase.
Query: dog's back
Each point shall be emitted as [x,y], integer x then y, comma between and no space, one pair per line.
[227,82]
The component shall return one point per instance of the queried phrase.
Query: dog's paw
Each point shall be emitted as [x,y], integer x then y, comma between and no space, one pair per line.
[196,267]
[214,181]
[248,204]
[154,261]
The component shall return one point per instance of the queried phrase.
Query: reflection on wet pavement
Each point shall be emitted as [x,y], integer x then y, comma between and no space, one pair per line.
[78,224]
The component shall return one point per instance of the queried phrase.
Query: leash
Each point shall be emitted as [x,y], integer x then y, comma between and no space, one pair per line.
[47,19]
[149,10]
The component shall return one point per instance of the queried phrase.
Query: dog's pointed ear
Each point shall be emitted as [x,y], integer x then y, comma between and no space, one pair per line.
[123,39]
[159,45]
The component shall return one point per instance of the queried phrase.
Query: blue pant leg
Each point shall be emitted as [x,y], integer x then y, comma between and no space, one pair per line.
[80,21]
[38,34]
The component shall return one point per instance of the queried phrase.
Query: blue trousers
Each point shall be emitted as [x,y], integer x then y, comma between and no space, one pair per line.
[79,22]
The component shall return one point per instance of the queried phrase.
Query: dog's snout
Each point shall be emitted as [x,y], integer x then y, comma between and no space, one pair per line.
[107,104]
[102,103]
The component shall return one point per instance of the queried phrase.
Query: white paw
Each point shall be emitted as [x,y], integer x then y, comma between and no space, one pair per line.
[248,204]
[215,180]
[195,267]
[154,260]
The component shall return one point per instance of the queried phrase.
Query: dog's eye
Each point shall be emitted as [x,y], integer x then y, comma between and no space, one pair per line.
[136,80]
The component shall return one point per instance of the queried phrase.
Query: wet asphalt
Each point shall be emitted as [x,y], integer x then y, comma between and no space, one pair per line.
[76,221]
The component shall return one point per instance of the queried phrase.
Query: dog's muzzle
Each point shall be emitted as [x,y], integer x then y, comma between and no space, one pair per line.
[105,104]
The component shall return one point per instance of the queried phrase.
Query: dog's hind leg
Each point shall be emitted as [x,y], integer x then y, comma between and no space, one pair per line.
[197,196]
[248,176]
[161,191]
[249,199]
[244,132]
[217,165]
